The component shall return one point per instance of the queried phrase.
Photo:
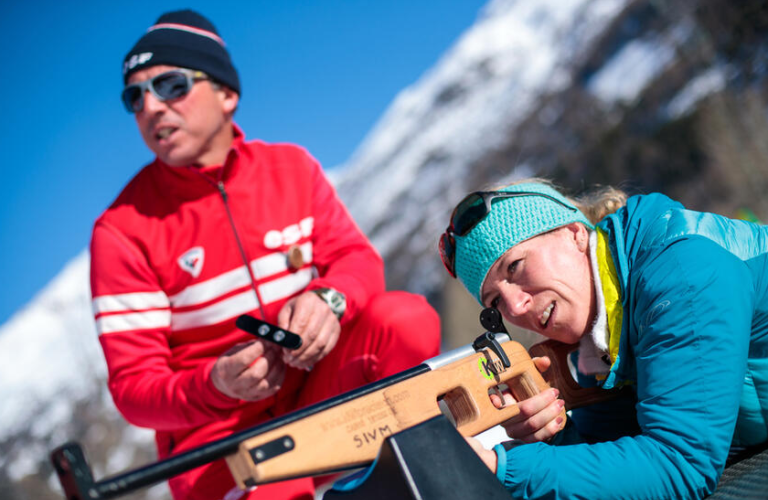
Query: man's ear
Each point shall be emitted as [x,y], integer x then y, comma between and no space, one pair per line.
[228,98]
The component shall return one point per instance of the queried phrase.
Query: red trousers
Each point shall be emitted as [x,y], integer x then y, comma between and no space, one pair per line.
[396,331]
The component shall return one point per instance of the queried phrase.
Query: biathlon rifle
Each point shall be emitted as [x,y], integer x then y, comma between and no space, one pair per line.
[346,432]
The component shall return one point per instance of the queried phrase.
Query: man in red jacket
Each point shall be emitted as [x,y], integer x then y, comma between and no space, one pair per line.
[215,227]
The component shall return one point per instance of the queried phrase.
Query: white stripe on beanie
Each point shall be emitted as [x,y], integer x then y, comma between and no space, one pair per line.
[188,29]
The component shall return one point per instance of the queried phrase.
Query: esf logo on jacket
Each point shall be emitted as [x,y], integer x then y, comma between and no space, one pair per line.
[290,235]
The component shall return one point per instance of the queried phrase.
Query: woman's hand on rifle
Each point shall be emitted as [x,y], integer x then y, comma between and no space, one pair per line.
[487,456]
[540,415]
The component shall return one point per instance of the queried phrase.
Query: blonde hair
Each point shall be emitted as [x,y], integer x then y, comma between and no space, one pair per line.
[594,204]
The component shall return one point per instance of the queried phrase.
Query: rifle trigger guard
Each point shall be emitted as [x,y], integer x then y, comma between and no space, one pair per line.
[489,340]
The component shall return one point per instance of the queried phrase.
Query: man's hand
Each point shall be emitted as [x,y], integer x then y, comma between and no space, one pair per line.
[250,371]
[539,418]
[311,318]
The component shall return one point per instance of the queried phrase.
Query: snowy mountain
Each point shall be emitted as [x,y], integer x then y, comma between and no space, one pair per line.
[521,90]
[53,388]
[668,97]
[419,160]
[468,103]
[53,337]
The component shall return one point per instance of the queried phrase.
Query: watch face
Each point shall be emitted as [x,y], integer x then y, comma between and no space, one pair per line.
[335,300]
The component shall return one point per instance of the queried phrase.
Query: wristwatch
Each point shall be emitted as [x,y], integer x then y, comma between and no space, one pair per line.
[335,300]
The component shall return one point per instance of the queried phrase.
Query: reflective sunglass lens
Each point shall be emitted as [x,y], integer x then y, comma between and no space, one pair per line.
[133,98]
[171,85]
[469,212]
[447,252]
[166,86]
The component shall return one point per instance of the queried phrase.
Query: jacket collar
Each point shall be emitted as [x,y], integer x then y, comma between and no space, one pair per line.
[192,182]
[594,358]
[599,350]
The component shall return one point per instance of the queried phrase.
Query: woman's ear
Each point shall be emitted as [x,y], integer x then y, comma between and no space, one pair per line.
[580,235]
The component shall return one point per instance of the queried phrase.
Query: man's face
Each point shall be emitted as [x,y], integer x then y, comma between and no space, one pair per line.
[195,129]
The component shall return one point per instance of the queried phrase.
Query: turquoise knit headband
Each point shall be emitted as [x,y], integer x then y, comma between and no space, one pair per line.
[511,221]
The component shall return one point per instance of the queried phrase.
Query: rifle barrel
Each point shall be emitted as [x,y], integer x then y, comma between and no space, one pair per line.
[76,477]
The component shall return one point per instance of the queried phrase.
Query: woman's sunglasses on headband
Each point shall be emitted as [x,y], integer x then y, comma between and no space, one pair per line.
[469,213]
[165,86]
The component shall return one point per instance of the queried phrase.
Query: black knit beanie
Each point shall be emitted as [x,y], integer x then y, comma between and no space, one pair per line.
[185,39]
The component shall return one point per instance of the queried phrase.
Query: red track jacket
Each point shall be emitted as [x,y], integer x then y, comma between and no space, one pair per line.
[168,280]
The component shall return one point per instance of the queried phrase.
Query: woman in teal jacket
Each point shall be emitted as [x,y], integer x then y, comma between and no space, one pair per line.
[670,302]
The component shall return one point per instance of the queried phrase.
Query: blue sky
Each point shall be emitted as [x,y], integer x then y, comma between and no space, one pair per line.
[315,72]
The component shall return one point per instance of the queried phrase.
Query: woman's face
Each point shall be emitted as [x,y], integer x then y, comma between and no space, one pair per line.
[544,284]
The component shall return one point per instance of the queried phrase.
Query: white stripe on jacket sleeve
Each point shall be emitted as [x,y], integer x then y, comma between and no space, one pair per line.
[133,321]
[136,301]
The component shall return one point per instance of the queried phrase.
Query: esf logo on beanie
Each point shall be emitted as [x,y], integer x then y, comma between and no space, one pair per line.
[135,60]
[184,39]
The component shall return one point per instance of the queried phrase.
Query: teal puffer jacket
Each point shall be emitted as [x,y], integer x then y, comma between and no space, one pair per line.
[694,345]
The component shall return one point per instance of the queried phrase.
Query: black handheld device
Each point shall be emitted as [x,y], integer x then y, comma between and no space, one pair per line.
[268,331]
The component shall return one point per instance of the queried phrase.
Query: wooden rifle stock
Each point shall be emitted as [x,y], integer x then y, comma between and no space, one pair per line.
[347,431]
[350,434]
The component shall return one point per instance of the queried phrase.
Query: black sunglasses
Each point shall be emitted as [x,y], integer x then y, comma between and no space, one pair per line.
[469,213]
[165,86]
